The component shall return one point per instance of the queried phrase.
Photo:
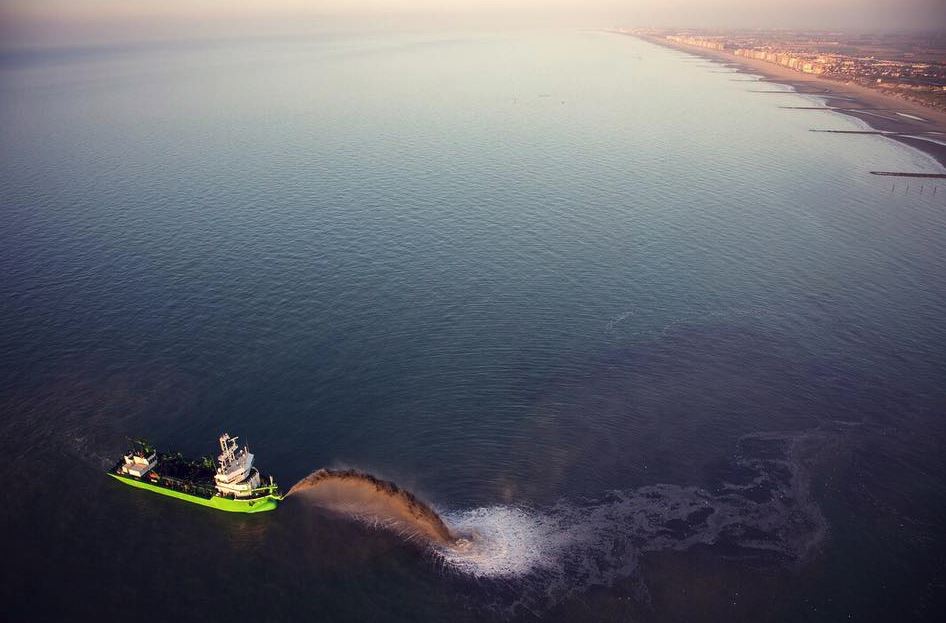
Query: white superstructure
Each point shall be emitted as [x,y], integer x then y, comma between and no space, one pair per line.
[139,463]
[236,475]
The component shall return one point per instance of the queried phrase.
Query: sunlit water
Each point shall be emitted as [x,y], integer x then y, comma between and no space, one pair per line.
[659,351]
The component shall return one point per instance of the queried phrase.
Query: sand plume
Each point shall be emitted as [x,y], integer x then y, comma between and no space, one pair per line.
[374,500]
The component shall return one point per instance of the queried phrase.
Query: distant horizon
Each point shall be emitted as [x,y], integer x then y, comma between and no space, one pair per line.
[54,23]
[10,44]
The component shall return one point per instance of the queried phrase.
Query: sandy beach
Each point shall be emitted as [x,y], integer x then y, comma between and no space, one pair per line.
[899,119]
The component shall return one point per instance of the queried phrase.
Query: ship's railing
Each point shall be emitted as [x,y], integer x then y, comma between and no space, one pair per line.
[270,488]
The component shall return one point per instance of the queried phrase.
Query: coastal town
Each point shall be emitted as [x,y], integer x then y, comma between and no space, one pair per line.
[912,66]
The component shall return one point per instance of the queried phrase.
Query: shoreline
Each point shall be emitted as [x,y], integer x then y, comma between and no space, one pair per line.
[890,116]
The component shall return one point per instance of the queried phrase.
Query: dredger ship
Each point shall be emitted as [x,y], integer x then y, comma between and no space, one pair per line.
[233,484]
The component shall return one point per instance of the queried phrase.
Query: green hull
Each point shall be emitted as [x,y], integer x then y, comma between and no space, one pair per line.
[252,505]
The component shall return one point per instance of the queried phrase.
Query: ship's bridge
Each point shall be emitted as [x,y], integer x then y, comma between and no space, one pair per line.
[235,474]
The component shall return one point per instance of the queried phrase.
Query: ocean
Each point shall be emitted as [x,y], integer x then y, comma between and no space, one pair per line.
[664,352]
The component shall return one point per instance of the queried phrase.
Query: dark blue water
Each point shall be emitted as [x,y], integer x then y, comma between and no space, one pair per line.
[672,355]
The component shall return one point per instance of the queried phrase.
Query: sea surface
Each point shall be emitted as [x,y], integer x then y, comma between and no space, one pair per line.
[668,354]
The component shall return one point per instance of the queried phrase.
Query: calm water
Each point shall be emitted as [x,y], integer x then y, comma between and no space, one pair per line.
[673,356]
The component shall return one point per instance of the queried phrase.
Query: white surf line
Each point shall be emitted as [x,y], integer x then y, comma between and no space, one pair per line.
[869,112]
[903,114]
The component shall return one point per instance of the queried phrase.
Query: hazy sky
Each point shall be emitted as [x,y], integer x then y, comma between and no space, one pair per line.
[69,21]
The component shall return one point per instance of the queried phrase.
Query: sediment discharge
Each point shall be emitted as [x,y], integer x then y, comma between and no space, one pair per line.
[378,501]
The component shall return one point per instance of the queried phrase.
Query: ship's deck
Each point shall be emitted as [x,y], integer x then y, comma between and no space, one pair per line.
[189,476]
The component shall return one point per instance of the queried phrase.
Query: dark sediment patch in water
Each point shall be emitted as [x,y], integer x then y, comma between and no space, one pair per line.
[378,502]
[759,508]
[85,410]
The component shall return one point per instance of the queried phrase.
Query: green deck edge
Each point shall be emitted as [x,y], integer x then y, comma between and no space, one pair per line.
[255,505]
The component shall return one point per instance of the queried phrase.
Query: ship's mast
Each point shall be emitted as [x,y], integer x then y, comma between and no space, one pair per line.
[228,446]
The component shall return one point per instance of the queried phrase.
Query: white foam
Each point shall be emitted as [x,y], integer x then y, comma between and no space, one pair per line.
[507,541]
[572,545]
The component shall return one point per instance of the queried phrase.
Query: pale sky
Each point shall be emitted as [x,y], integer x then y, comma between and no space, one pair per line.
[43,22]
